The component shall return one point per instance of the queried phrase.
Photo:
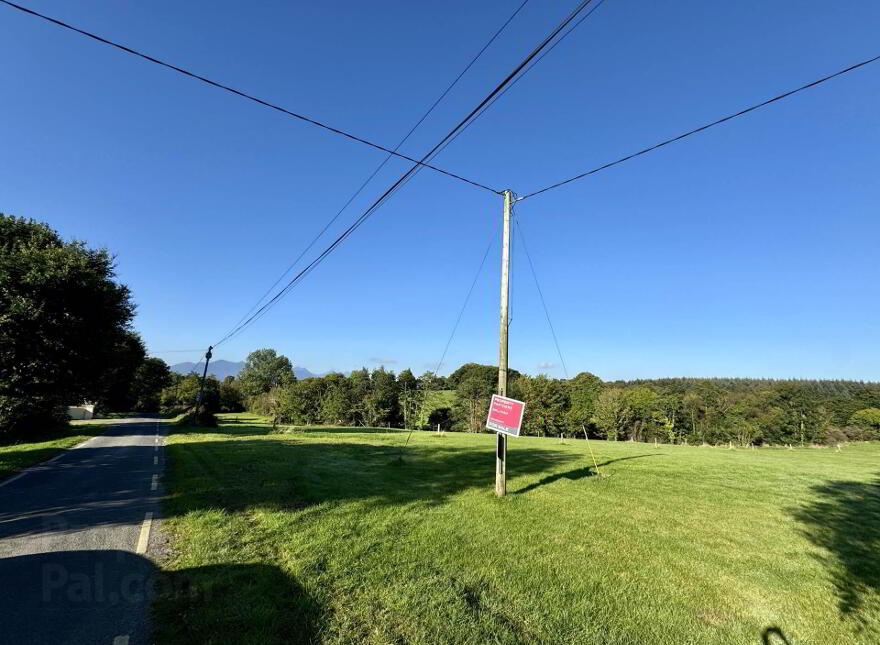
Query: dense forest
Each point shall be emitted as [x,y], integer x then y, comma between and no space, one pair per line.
[671,410]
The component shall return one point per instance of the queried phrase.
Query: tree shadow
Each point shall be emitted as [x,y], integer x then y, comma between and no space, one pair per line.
[248,469]
[845,522]
[290,475]
[344,430]
[95,596]
[773,635]
[83,489]
[576,474]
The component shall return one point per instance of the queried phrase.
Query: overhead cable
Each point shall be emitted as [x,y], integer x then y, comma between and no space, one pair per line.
[384,161]
[242,94]
[747,110]
[409,173]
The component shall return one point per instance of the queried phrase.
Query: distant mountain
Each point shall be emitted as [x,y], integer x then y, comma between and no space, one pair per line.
[302,372]
[221,369]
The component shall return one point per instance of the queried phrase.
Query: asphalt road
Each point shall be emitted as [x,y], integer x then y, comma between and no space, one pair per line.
[74,536]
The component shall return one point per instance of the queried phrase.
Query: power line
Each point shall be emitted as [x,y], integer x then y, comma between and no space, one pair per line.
[532,66]
[460,314]
[411,172]
[241,93]
[464,305]
[541,295]
[385,161]
[704,127]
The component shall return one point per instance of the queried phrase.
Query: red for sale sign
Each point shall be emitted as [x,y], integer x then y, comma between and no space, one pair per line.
[505,415]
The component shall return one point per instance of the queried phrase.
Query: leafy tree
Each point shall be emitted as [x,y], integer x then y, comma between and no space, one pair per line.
[149,380]
[231,398]
[667,416]
[336,404]
[62,320]
[382,404]
[410,397]
[638,408]
[263,370]
[360,390]
[300,402]
[695,411]
[428,384]
[867,419]
[181,394]
[114,389]
[488,374]
[583,393]
[611,413]
[472,396]
[546,405]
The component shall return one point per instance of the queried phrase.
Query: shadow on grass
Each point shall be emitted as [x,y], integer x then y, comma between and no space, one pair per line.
[576,474]
[774,635]
[93,596]
[12,462]
[845,522]
[289,474]
[345,430]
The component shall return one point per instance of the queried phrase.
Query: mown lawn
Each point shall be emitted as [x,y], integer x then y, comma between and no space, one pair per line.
[18,456]
[325,536]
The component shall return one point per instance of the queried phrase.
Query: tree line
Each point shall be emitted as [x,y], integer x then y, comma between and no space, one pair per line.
[672,410]
[66,337]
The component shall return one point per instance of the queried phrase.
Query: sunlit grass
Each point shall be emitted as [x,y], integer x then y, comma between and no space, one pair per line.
[339,536]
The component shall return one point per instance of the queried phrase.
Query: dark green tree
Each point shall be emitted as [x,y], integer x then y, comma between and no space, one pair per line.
[382,405]
[583,392]
[472,394]
[867,419]
[114,389]
[149,380]
[410,397]
[336,404]
[263,370]
[181,394]
[360,387]
[62,320]
[231,398]
[546,405]
[300,402]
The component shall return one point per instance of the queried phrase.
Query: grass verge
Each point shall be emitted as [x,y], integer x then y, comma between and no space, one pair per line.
[326,535]
[16,457]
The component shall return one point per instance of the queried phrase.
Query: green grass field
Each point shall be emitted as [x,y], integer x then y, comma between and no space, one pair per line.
[326,536]
[18,456]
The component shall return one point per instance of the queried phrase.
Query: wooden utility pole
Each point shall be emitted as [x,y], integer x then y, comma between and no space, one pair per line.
[501,438]
[202,383]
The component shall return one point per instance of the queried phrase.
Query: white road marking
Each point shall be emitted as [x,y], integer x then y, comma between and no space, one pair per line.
[155,483]
[12,479]
[143,539]
[121,640]
[155,461]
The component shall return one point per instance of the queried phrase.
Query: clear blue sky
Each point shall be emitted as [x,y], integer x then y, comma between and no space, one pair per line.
[750,250]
